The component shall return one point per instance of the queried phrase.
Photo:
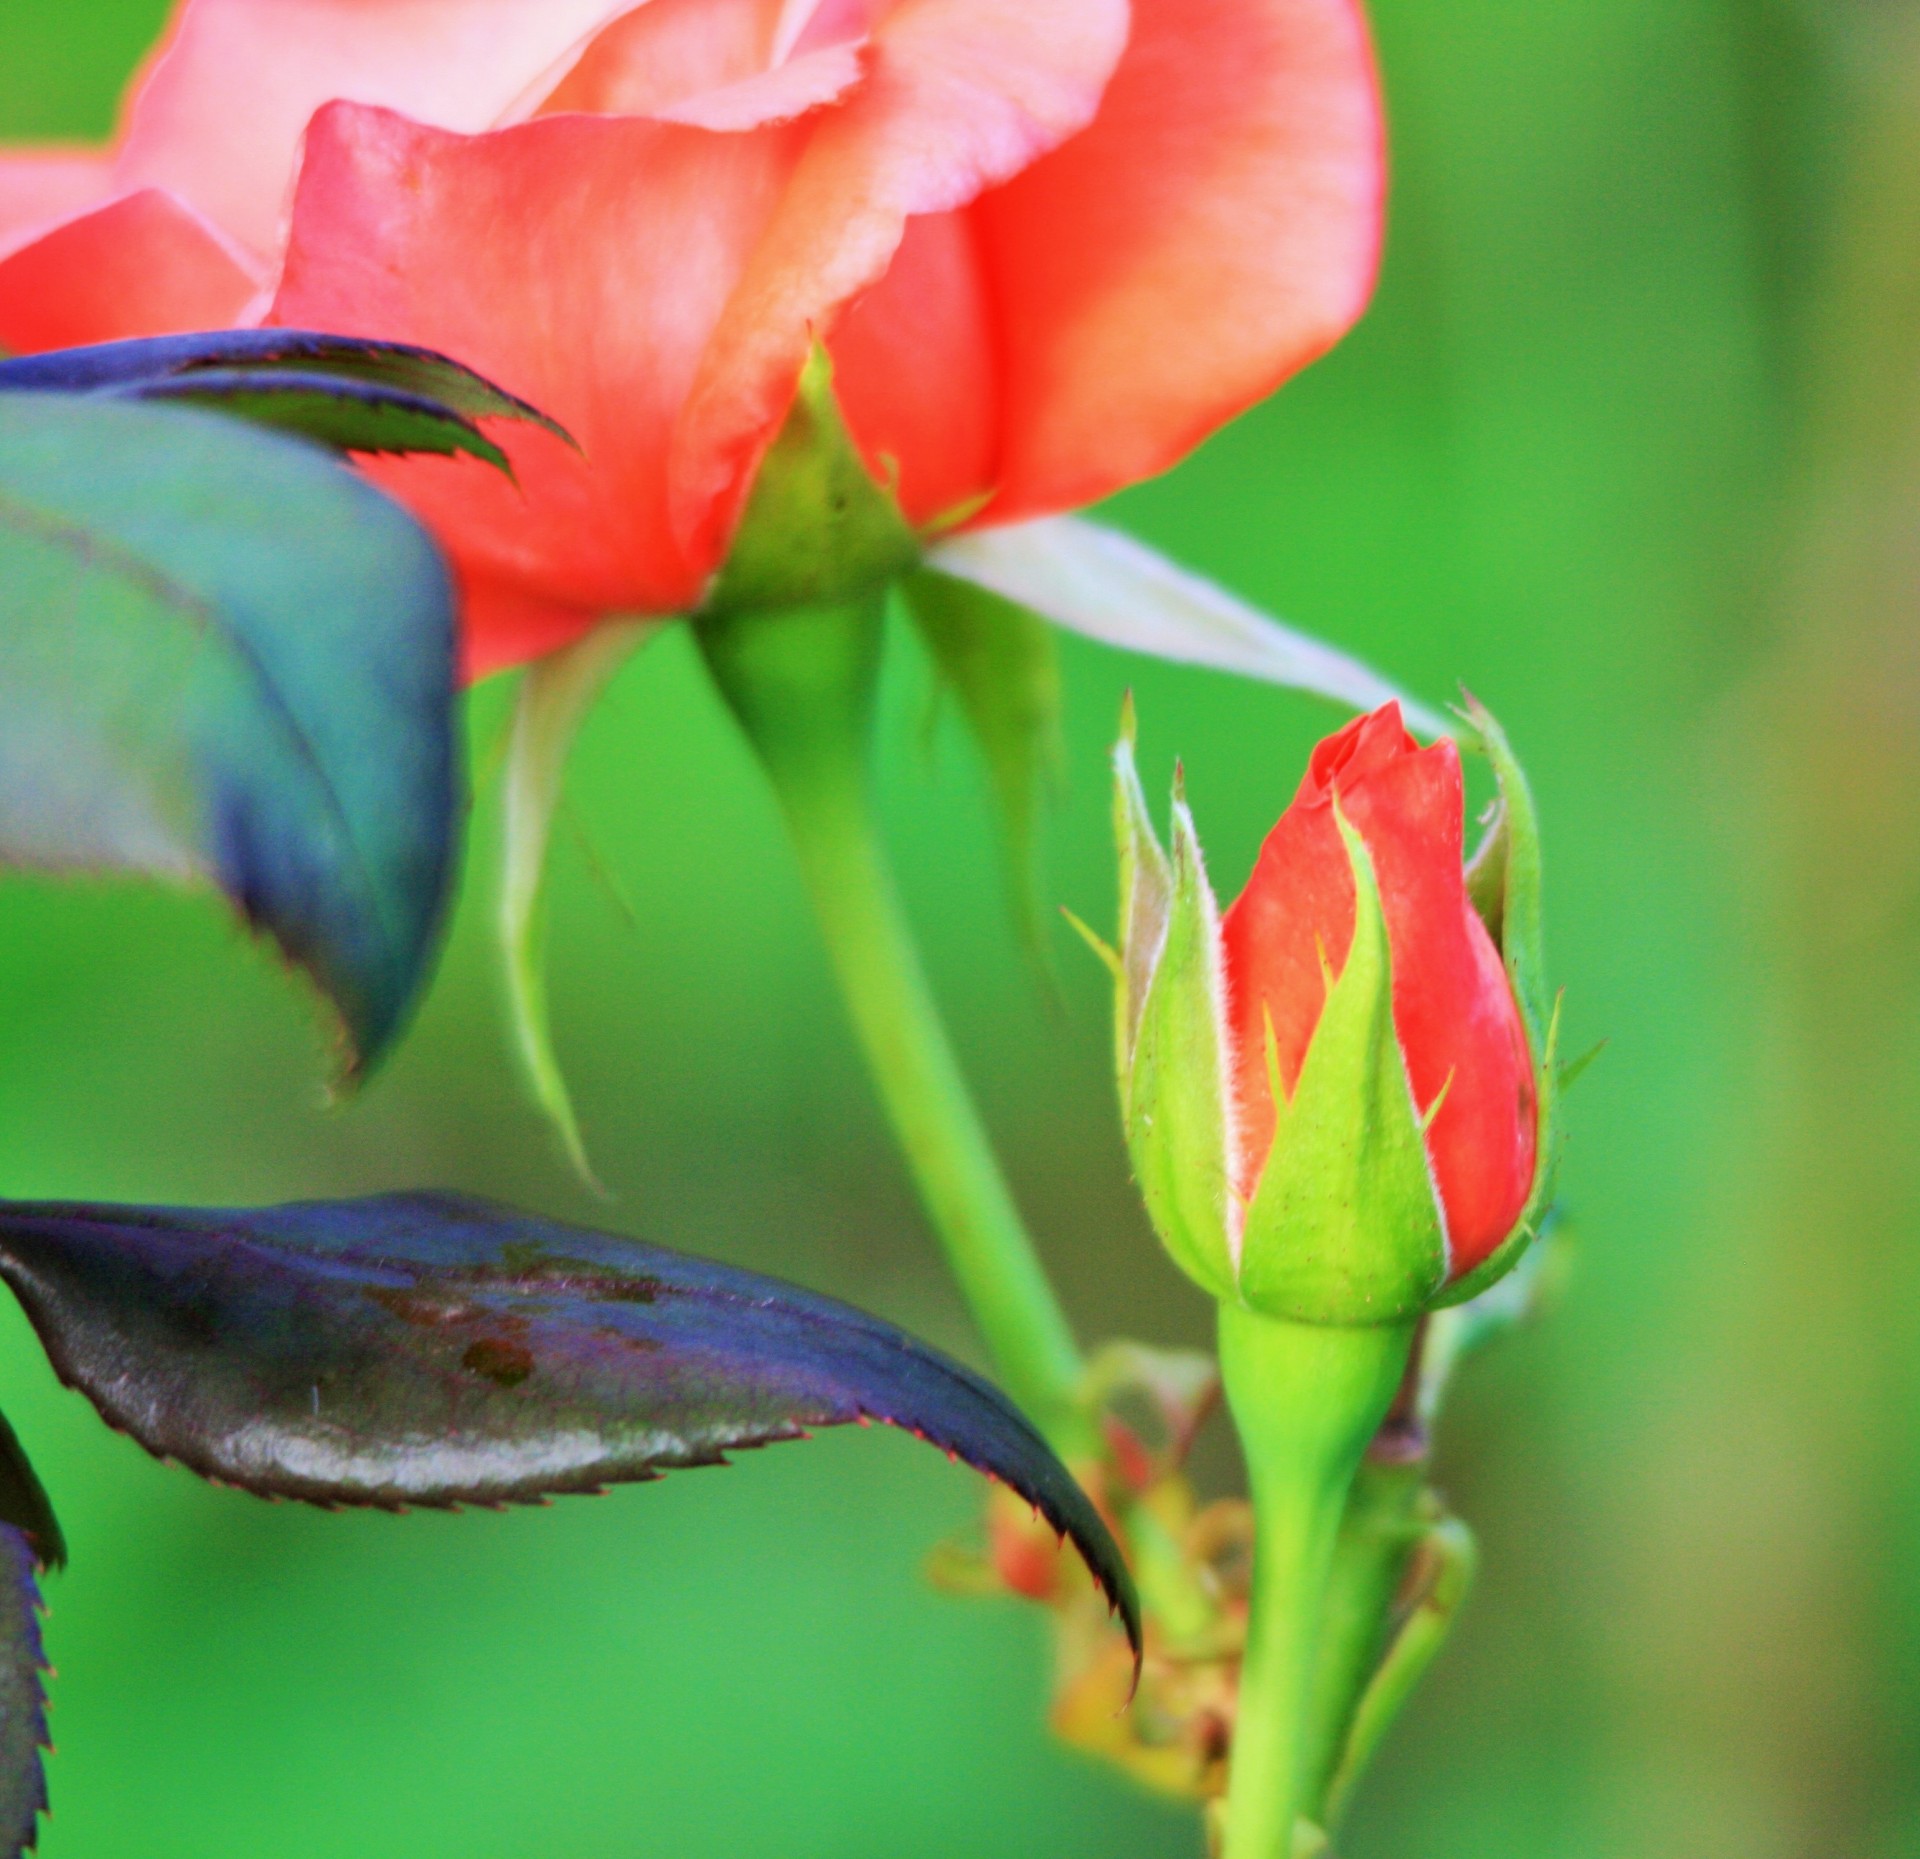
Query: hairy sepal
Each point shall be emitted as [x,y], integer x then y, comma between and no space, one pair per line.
[1176,1089]
[1504,883]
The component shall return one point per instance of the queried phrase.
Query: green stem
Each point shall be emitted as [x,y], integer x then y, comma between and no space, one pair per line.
[802,683]
[1306,1398]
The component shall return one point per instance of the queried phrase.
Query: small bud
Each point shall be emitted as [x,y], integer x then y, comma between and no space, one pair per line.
[1332,1095]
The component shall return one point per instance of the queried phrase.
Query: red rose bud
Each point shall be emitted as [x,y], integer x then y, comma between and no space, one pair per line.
[1334,1097]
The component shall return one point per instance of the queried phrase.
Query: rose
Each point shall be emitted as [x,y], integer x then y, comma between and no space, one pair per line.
[1333,1095]
[1049,247]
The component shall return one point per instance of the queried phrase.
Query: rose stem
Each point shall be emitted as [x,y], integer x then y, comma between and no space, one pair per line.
[1306,1398]
[802,683]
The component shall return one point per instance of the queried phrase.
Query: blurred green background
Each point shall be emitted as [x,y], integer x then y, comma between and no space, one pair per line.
[1626,444]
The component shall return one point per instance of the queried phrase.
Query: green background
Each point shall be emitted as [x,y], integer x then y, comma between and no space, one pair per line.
[1558,462]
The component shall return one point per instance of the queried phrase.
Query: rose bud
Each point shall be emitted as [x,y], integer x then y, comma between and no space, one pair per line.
[1334,1096]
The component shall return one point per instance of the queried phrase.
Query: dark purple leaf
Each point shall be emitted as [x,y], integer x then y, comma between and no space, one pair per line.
[23,1697]
[24,1502]
[422,1349]
[349,392]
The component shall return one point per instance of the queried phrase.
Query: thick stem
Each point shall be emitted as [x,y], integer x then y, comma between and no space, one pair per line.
[1306,1398]
[802,684]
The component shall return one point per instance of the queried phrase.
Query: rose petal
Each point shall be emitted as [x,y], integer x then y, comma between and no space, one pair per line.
[913,367]
[1213,231]
[1453,1009]
[960,94]
[580,262]
[219,114]
[502,626]
[716,64]
[143,265]
[41,187]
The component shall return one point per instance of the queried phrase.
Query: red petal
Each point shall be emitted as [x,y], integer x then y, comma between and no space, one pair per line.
[1453,1009]
[913,366]
[143,265]
[1215,230]
[578,261]
[960,95]
[503,627]
[218,116]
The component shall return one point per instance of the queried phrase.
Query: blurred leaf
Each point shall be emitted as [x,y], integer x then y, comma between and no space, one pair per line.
[1432,1591]
[23,1698]
[423,1349]
[1096,581]
[348,393]
[556,694]
[224,656]
[1001,662]
[24,1503]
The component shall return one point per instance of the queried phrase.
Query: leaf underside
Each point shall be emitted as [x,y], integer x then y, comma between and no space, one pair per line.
[225,657]
[23,1697]
[423,1349]
[352,394]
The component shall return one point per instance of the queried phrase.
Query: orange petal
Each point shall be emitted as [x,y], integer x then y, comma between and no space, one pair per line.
[219,113]
[579,261]
[718,64]
[40,187]
[959,95]
[502,627]
[142,265]
[1215,230]
[913,366]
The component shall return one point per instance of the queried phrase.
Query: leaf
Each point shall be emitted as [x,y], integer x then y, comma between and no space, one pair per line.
[556,694]
[424,1349]
[1000,661]
[23,1697]
[24,1504]
[225,657]
[348,393]
[1096,581]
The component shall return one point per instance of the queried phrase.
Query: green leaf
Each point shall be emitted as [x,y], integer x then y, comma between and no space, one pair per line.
[1003,667]
[818,528]
[225,657]
[1432,1592]
[1179,1105]
[427,1349]
[555,697]
[1345,1226]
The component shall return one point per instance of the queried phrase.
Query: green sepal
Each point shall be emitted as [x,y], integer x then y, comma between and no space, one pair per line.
[818,528]
[556,695]
[1503,882]
[1345,1226]
[1146,897]
[1004,668]
[1175,1090]
[1503,879]
[1434,1587]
